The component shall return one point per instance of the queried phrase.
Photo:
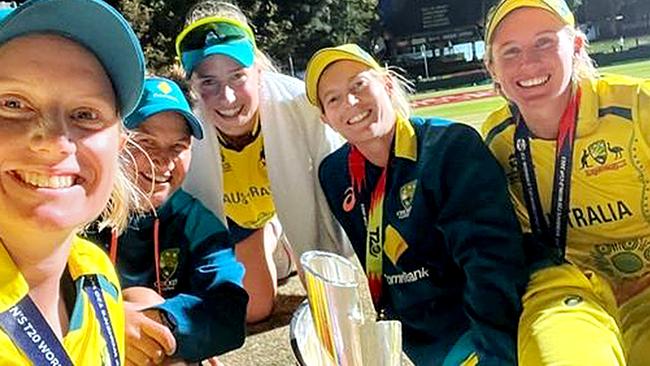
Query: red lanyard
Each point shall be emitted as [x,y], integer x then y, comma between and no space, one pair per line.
[374,224]
[156,246]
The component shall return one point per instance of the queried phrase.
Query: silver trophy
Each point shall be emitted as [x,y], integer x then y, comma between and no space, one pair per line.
[333,330]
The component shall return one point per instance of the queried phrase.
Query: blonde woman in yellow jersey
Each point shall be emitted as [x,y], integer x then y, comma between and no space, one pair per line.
[574,146]
[70,70]
[257,167]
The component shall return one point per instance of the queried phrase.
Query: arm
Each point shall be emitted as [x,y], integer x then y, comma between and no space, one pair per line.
[210,319]
[148,339]
[483,237]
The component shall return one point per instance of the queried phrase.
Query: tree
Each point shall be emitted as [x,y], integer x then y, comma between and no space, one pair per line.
[157,22]
[284,28]
[297,28]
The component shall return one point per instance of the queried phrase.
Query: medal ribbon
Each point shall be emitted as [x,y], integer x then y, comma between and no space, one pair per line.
[27,328]
[555,232]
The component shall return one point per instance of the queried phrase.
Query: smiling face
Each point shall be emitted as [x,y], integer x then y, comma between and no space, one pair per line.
[356,101]
[532,58]
[60,135]
[228,94]
[166,139]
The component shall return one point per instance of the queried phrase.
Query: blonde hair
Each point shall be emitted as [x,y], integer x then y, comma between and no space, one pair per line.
[400,89]
[126,198]
[225,9]
[584,67]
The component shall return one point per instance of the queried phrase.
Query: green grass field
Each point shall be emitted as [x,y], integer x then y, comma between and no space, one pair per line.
[474,112]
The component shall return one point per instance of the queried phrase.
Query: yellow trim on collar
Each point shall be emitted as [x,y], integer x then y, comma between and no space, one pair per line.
[85,258]
[406,142]
[588,119]
[13,285]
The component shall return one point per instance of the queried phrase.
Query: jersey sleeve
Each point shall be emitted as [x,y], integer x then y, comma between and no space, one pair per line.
[209,319]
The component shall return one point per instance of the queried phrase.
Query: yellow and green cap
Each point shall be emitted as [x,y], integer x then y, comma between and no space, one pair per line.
[215,36]
[505,7]
[327,56]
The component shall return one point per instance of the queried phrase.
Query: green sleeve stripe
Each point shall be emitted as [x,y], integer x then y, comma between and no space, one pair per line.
[617,111]
[497,130]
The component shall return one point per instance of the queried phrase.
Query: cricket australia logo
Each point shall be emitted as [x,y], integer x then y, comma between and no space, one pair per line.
[594,159]
[406,194]
[168,267]
[164,87]
[164,91]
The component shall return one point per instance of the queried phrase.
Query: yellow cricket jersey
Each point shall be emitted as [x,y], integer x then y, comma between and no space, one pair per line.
[84,342]
[609,211]
[247,190]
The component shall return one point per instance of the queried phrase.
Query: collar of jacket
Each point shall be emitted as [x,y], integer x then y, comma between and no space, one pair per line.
[406,143]
[588,109]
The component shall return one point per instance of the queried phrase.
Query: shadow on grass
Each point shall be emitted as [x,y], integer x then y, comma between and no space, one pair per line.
[284,307]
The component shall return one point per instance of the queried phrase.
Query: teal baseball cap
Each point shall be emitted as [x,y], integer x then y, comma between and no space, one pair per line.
[215,36]
[4,11]
[163,95]
[96,26]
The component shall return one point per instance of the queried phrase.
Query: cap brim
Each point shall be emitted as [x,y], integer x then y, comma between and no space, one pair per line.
[558,8]
[95,25]
[241,51]
[5,11]
[140,115]
[195,126]
[321,60]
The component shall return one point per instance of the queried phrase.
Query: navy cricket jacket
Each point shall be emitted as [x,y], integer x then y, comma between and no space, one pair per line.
[200,277]
[453,259]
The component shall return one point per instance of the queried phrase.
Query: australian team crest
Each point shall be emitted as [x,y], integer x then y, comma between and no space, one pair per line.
[598,151]
[169,263]
[406,194]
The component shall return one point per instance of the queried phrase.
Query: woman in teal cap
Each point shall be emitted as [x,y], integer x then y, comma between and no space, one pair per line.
[256,168]
[574,146]
[175,262]
[71,69]
[426,210]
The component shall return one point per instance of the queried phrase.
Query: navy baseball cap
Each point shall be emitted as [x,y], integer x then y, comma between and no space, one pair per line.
[163,95]
[95,25]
